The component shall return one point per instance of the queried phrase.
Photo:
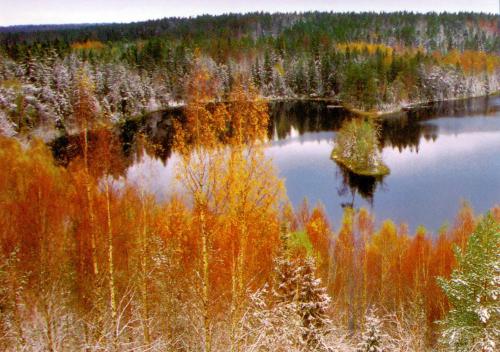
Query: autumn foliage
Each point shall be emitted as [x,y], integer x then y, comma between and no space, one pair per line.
[89,260]
[87,45]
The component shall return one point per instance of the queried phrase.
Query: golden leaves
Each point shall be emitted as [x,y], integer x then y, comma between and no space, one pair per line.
[208,124]
[88,45]
[472,62]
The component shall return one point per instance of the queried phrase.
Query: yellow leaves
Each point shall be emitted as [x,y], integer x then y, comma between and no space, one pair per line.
[492,62]
[234,189]
[249,116]
[280,69]
[472,62]
[386,236]
[452,58]
[85,112]
[33,192]
[241,121]
[200,88]
[363,47]
[88,45]
[320,235]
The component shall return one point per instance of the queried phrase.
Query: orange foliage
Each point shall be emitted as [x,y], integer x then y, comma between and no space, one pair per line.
[369,48]
[214,244]
[157,246]
[387,268]
[320,235]
[344,261]
[471,62]
[88,45]
[496,212]
[33,197]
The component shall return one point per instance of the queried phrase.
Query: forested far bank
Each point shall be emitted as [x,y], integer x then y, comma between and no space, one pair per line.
[371,62]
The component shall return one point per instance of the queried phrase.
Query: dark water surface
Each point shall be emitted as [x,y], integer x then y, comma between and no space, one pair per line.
[439,156]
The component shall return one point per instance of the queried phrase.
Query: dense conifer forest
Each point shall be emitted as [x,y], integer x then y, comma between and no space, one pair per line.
[370,62]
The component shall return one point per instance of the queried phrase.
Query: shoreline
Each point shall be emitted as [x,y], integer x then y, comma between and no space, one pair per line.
[396,110]
[50,134]
[381,171]
[337,104]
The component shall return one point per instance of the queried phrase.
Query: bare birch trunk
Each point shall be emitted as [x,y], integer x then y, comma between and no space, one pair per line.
[90,202]
[205,284]
[112,293]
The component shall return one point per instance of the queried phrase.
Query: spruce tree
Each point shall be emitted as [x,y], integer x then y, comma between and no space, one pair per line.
[372,338]
[313,303]
[6,126]
[268,69]
[473,291]
[296,286]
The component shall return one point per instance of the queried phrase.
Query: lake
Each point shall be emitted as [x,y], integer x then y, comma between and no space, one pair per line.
[439,155]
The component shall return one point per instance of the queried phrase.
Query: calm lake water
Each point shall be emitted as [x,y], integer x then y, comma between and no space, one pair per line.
[439,156]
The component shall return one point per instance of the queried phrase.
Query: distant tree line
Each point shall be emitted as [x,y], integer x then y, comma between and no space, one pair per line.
[369,61]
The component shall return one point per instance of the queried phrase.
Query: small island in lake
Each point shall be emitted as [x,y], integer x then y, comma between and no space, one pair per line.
[356,148]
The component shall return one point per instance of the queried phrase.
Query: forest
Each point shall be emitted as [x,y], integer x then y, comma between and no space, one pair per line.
[92,261]
[369,62]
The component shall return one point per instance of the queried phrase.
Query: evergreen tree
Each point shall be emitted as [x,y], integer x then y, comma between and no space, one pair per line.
[300,78]
[372,338]
[360,85]
[286,280]
[268,69]
[313,303]
[6,126]
[473,291]
[314,84]
[296,284]
[256,73]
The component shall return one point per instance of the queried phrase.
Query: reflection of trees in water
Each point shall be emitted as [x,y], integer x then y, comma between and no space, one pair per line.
[406,130]
[455,108]
[157,130]
[152,135]
[304,116]
[105,152]
[403,131]
[353,184]
[400,131]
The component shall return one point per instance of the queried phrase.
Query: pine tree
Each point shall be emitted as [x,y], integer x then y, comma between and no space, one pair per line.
[268,69]
[313,305]
[256,73]
[296,284]
[300,78]
[6,126]
[473,291]
[372,338]
[286,276]
[314,79]
[269,326]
